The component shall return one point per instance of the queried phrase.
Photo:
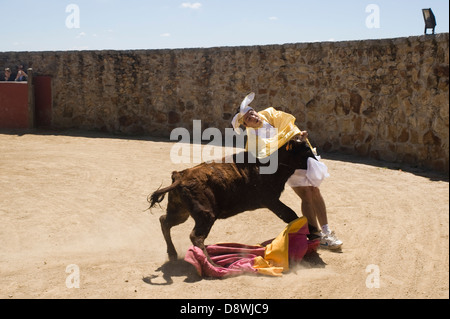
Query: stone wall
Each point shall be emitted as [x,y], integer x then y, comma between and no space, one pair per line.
[386,99]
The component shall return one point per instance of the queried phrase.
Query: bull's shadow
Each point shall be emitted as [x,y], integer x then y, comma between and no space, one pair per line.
[177,268]
[180,267]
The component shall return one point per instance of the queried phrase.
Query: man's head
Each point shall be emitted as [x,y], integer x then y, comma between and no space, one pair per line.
[246,115]
[251,119]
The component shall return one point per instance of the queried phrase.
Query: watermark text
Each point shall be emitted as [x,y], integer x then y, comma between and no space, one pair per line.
[373,19]
[73,19]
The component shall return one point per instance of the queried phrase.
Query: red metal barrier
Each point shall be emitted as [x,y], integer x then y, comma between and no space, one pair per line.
[14,111]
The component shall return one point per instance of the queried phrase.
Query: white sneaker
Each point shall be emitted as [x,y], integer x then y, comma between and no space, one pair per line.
[330,241]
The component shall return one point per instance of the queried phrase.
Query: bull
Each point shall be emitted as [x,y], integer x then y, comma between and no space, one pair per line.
[211,191]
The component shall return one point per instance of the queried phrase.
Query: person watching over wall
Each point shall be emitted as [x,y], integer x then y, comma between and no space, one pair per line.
[21,75]
[7,75]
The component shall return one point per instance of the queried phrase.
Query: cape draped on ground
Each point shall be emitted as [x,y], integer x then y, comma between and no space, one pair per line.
[271,258]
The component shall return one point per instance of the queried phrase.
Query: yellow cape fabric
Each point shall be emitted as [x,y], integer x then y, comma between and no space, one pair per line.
[276,257]
[285,130]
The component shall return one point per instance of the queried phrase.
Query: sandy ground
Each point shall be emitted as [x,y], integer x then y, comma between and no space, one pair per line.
[75,202]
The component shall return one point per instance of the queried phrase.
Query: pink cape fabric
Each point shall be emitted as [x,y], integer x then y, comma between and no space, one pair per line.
[235,259]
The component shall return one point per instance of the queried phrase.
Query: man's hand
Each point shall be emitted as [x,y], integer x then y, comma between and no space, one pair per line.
[301,137]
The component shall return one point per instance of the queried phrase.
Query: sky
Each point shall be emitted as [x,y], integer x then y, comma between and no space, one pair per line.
[58,25]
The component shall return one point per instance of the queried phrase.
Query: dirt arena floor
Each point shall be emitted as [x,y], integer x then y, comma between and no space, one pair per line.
[75,203]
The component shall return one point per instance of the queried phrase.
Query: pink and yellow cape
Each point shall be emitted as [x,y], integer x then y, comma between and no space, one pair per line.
[272,258]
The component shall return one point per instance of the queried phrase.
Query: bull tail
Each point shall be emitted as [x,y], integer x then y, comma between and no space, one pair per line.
[158,195]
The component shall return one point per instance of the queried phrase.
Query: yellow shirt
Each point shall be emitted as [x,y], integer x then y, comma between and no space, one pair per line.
[262,144]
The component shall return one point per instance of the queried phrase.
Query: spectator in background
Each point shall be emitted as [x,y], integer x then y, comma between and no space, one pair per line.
[7,76]
[21,75]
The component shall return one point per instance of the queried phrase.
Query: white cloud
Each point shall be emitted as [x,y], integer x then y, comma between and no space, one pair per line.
[80,35]
[273,18]
[190,5]
[165,34]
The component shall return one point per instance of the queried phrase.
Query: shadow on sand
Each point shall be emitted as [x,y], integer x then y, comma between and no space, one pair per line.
[181,268]
[177,268]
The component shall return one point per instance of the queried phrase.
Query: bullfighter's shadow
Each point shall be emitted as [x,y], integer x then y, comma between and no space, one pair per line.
[176,268]
[312,260]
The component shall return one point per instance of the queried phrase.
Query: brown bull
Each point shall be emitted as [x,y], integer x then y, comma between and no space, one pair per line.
[212,191]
